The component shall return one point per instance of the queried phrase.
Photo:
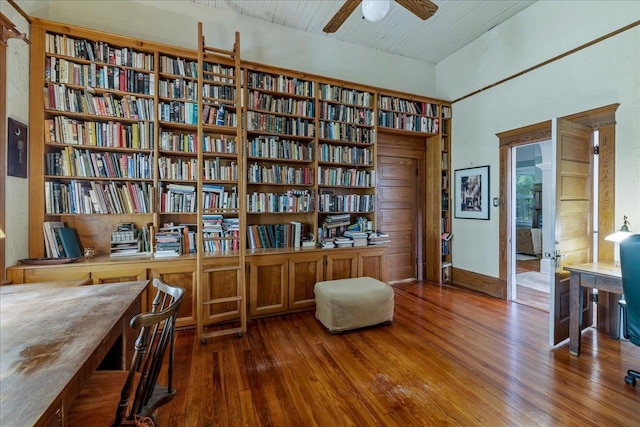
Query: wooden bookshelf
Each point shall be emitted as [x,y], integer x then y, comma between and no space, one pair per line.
[220,146]
[281,158]
[446,200]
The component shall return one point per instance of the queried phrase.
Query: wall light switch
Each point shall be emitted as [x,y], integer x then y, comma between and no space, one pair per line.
[496,202]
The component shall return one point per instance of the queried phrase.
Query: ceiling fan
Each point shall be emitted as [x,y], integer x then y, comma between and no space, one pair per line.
[423,9]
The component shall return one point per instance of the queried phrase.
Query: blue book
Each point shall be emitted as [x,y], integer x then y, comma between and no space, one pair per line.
[70,242]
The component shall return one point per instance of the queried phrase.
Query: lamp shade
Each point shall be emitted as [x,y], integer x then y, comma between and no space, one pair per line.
[1,234]
[617,237]
[375,10]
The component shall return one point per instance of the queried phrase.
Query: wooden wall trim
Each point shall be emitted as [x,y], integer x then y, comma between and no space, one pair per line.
[526,135]
[478,282]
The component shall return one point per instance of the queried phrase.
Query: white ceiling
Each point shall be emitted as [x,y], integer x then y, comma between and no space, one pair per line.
[455,23]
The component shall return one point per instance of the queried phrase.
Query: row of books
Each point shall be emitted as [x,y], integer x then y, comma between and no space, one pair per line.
[272,147]
[218,197]
[178,168]
[82,197]
[346,203]
[291,201]
[279,174]
[61,241]
[346,132]
[186,68]
[346,177]
[97,51]
[345,154]
[346,96]
[263,122]
[63,98]
[188,143]
[94,75]
[85,163]
[265,236]
[267,102]
[406,106]
[346,113]
[63,130]
[178,89]
[406,121]
[221,169]
[177,198]
[280,83]
[215,92]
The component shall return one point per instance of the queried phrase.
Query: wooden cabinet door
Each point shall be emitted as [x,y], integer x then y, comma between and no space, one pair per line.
[178,273]
[221,289]
[341,265]
[305,270]
[268,285]
[372,262]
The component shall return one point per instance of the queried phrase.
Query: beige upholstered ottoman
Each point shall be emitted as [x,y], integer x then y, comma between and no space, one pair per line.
[353,303]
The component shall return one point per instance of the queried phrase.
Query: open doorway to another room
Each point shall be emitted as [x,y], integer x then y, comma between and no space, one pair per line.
[532,193]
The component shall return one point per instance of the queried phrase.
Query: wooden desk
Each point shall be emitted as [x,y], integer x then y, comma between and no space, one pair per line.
[603,276]
[51,340]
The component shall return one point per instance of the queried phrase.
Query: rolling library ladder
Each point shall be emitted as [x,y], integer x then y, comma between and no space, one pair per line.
[220,292]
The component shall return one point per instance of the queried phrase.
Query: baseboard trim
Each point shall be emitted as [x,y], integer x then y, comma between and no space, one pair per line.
[492,286]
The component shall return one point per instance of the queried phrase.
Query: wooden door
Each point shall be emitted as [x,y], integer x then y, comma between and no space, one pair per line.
[399,213]
[573,226]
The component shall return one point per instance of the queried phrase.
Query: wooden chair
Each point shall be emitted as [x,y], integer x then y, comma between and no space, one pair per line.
[104,400]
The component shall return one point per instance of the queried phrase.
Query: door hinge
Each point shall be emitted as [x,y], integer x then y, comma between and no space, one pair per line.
[596,150]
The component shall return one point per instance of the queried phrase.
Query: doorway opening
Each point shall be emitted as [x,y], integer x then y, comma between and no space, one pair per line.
[531,193]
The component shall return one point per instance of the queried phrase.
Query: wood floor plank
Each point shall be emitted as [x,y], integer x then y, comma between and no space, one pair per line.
[450,357]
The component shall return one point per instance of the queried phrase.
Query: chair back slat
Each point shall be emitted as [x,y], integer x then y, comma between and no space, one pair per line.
[155,338]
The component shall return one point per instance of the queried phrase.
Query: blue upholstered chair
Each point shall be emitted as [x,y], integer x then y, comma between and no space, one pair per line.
[630,266]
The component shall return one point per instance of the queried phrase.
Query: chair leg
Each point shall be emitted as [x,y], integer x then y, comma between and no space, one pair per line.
[631,377]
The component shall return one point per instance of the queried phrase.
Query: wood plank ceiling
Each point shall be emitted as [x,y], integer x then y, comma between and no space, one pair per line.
[455,23]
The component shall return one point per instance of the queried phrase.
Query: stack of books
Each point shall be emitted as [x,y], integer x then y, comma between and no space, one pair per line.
[342,242]
[168,241]
[359,238]
[326,243]
[378,238]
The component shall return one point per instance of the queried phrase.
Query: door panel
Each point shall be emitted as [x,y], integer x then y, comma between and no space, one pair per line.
[573,226]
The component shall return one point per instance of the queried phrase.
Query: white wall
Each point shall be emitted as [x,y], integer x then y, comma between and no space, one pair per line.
[605,73]
[175,23]
[17,107]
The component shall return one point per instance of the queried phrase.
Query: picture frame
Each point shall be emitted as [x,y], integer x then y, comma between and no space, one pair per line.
[17,148]
[471,198]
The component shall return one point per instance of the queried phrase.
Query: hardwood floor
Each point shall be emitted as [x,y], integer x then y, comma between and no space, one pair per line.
[450,357]
[528,296]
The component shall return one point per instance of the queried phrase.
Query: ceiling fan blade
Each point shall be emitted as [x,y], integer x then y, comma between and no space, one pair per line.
[423,9]
[341,15]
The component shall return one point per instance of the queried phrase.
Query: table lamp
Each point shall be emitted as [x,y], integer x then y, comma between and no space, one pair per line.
[1,234]
[617,237]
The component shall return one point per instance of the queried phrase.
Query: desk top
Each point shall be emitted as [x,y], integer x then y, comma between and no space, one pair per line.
[49,338]
[602,268]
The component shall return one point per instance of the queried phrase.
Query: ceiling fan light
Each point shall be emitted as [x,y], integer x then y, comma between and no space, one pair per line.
[375,10]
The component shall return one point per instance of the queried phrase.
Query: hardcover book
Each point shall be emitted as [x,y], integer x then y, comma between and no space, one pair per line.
[70,242]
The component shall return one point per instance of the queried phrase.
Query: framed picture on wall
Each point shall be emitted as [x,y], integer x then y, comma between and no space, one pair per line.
[472,193]
[17,149]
